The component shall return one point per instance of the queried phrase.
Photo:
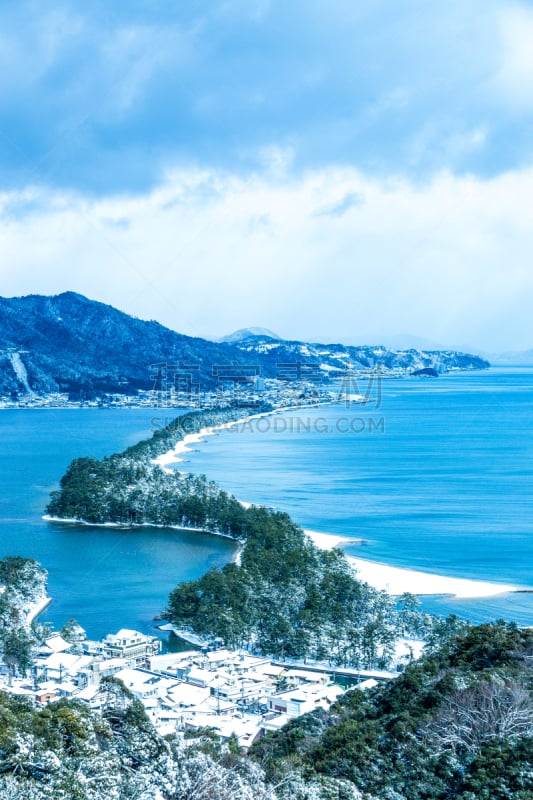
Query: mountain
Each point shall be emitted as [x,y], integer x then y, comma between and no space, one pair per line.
[335,359]
[521,358]
[71,344]
[406,341]
[243,334]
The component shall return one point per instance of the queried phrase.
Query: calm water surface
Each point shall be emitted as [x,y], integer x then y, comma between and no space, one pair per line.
[105,578]
[444,487]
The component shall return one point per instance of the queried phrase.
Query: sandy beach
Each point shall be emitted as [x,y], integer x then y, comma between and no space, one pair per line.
[186,445]
[38,609]
[177,454]
[397,580]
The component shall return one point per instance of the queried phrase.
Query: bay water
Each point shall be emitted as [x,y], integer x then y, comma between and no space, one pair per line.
[435,476]
[105,578]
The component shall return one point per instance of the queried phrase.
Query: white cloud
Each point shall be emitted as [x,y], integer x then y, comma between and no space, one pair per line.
[514,76]
[207,252]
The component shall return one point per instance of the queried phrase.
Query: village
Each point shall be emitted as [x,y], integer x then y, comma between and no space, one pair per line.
[233,693]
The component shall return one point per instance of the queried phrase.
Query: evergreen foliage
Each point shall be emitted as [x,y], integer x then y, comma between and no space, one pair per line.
[457,725]
[391,743]
[22,582]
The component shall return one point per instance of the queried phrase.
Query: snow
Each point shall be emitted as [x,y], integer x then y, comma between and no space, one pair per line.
[330,368]
[57,644]
[20,371]
[38,608]
[184,446]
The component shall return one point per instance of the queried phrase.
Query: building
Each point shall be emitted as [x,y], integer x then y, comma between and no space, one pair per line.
[131,645]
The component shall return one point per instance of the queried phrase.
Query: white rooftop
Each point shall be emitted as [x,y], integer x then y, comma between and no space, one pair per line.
[66,661]
[57,644]
[184,694]
[125,633]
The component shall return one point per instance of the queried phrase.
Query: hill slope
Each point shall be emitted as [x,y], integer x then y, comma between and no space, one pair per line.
[69,343]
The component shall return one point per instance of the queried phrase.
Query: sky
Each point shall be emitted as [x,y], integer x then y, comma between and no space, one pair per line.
[333,171]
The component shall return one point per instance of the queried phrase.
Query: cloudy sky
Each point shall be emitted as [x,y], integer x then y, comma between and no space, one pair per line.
[335,170]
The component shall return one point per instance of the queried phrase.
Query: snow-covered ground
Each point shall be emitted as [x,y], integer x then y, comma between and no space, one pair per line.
[20,371]
[38,608]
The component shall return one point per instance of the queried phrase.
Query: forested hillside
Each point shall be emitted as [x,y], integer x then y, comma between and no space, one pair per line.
[457,725]
[71,344]
[22,588]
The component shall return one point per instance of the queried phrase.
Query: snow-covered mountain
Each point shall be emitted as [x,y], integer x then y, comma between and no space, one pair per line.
[244,334]
[337,358]
[69,343]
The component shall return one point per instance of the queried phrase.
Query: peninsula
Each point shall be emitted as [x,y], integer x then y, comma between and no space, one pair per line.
[286,597]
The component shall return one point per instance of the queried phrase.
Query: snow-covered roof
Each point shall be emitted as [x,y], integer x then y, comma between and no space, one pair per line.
[125,633]
[111,663]
[217,656]
[184,694]
[88,693]
[66,661]
[57,644]
[197,674]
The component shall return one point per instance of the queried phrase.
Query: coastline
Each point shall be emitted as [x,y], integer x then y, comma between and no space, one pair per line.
[385,577]
[398,580]
[133,525]
[37,609]
[175,455]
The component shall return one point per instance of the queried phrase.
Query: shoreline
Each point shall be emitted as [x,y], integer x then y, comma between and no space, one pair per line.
[38,609]
[385,577]
[128,526]
[133,525]
[174,456]
[398,580]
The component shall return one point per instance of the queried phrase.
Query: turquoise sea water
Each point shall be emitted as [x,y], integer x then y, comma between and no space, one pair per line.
[105,578]
[446,487]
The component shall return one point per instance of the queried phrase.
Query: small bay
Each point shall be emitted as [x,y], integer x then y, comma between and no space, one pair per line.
[106,578]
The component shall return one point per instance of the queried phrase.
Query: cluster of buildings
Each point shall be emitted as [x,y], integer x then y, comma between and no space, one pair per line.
[275,392]
[233,693]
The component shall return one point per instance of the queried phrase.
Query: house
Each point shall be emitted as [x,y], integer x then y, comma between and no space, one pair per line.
[54,644]
[96,670]
[145,685]
[303,699]
[45,695]
[59,666]
[134,646]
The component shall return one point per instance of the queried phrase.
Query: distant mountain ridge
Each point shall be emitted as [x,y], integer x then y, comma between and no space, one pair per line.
[68,343]
[515,358]
[243,334]
[334,359]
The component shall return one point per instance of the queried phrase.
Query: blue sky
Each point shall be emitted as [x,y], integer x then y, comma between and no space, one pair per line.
[332,170]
